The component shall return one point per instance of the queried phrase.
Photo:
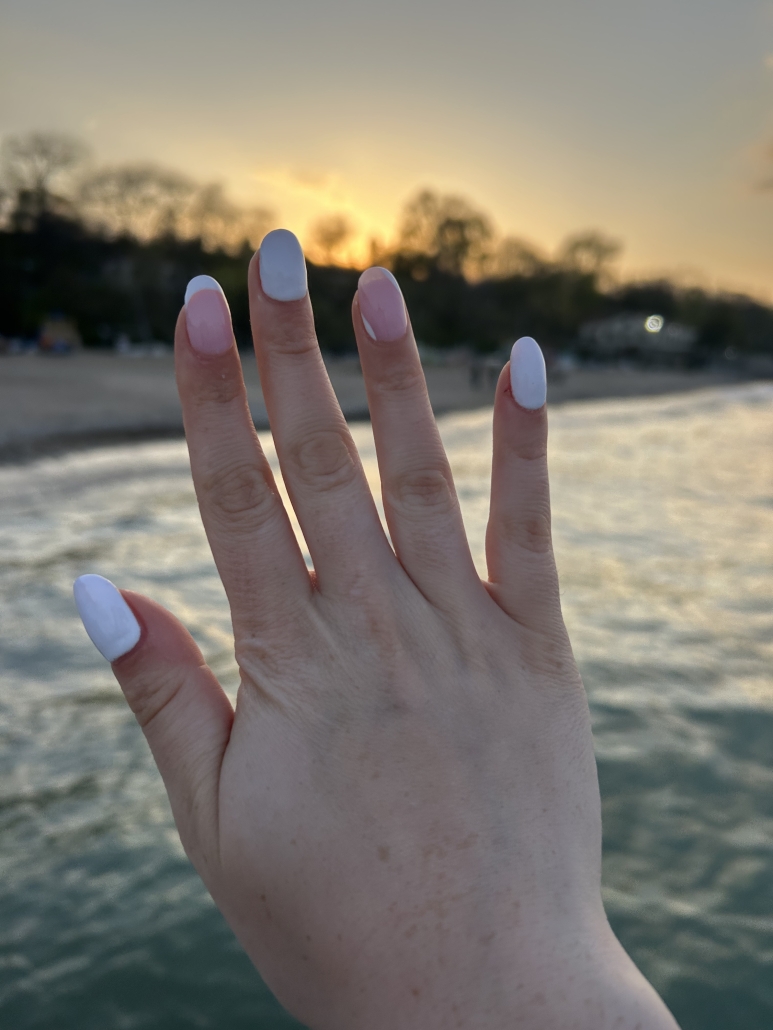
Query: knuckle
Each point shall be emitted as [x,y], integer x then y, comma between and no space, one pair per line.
[325,460]
[300,346]
[294,337]
[531,451]
[240,493]
[400,378]
[276,671]
[262,668]
[263,655]
[426,489]
[226,388]
[529,531]
[148,698]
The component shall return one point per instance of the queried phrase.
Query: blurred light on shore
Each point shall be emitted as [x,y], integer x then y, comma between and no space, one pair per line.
[654,323]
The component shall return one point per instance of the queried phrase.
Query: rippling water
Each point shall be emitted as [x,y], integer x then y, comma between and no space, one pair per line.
[663,515]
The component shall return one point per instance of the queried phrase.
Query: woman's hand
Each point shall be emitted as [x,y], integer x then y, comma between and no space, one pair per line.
[401,819]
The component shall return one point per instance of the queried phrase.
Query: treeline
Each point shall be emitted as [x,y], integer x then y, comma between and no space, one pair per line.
[113,248]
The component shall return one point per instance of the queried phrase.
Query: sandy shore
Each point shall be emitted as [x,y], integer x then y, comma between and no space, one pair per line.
[50,404]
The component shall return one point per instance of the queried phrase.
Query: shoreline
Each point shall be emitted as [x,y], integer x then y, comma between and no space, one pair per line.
[50,406]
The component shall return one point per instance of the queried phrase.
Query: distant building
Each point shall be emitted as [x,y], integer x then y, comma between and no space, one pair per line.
[647,338]
[59,335]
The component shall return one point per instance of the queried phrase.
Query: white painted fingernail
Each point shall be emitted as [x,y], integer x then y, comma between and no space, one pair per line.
[282,266]
[528,379]
[107,618]
[202,282]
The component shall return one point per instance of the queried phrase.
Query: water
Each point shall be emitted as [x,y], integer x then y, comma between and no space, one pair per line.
[664,535]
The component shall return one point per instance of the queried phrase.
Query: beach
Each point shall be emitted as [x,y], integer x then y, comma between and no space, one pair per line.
[51,404]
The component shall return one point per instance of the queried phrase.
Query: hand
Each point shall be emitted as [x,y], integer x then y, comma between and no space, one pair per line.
[400,820]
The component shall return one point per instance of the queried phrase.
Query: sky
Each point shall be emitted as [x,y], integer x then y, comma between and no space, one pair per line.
[649,121]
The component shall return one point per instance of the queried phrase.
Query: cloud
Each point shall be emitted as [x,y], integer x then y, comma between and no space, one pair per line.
[327,189]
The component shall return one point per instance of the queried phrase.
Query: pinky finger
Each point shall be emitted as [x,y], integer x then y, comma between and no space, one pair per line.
[519,548]
[176,698]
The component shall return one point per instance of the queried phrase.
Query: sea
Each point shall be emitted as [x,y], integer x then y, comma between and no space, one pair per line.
[663,524]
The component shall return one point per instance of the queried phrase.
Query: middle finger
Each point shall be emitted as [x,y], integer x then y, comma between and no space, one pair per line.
[318,458]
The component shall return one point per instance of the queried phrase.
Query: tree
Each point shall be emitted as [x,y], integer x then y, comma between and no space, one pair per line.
[447,230]
[589,253]
[329,235]
[147,201]
[220,224]
[140,200]
[514,256]
[33,166]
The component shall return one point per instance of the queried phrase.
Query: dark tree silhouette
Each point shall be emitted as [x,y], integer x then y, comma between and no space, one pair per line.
[329,235]
[32,166]
[114,256]
[446,231]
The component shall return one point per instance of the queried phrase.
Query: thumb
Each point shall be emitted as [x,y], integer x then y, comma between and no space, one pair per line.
[182,709]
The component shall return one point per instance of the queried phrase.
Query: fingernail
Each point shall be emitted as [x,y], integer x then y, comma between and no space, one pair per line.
[107,618]
[381,305]
[208,316]
[282,266]
[528,379]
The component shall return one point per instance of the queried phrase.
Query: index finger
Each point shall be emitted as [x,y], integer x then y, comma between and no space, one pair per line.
[251,537]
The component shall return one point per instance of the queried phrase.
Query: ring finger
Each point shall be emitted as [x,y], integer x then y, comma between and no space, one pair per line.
[420,500]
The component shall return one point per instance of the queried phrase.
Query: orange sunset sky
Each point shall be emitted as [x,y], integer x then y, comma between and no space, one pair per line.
[652,122]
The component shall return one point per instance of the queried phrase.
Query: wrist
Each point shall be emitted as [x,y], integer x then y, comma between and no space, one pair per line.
[588,984]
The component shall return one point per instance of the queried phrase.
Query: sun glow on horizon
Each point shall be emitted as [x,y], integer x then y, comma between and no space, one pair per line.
[534,112]
[303,197]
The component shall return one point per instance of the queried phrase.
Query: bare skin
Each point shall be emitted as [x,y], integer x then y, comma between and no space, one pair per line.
[401,819]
